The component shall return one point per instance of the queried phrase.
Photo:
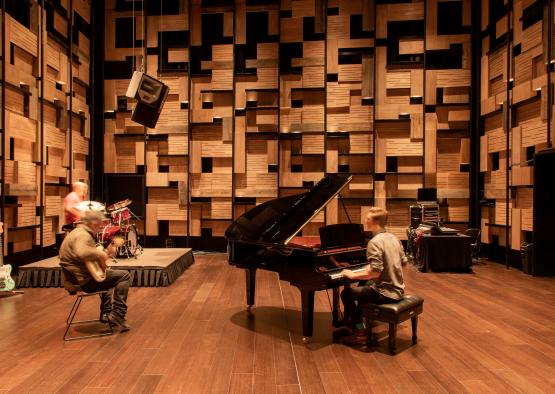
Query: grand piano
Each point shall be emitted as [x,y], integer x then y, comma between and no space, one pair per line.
[264,238]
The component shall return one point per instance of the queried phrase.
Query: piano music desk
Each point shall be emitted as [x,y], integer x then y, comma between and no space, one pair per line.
[311,241]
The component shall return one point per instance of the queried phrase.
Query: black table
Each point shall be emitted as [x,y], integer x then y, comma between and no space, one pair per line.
[445,252]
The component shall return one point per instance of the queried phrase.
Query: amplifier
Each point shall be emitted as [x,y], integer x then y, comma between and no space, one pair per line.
[419,213]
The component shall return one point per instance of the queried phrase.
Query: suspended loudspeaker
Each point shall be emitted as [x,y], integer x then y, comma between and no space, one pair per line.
[150,95]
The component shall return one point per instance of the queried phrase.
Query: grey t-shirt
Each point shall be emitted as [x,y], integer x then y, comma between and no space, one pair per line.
[386,255]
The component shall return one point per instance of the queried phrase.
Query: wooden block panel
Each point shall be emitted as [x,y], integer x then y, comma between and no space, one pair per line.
[164,156]
[361,143]
[20,36]
[53,205]
[170,212]
[26,212]
[211,185]
[398,216]
[178,144]
[313,144]
[317,65]
[338,95]
[22,240]
[27,152]
[256,185]
[20,127]
[177,228]
[49,231]
[528,125]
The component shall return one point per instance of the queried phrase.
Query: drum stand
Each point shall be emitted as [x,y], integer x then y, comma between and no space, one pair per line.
[139,249]
[135,216]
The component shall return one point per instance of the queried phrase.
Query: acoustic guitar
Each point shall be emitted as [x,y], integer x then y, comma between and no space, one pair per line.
[6,281]
[97,269]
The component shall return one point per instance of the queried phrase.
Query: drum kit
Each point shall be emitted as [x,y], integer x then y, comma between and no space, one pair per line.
[117,225]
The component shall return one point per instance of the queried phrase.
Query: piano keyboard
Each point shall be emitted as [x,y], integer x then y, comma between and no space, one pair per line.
[339,275]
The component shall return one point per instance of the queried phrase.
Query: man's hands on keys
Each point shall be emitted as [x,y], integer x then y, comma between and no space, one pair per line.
[348,274]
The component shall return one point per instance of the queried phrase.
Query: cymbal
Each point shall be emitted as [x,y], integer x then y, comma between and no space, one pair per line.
[119,205]
[90,206]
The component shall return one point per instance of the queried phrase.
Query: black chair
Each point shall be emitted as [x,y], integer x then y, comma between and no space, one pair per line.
[474,234]
[408,308]
[73,288]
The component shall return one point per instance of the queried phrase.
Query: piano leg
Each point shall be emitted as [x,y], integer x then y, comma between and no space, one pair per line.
[335,312]
[251,286]
[307,301]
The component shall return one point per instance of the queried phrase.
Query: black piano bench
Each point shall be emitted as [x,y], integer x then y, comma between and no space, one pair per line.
[409,307]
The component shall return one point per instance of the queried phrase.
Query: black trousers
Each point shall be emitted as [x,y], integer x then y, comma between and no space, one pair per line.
[118,282]
[352,296]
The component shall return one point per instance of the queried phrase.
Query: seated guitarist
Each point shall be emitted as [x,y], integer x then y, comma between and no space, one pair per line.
[79,256]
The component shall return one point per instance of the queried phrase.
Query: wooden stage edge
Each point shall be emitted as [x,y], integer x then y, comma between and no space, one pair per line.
[154,267]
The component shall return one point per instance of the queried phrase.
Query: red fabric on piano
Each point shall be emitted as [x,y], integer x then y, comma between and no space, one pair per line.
[310,241]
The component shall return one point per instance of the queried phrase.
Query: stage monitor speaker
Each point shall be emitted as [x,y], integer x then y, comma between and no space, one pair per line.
[150,95]
[544,213]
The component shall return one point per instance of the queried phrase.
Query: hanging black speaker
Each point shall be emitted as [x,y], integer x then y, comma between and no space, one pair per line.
[150,95]
[544,213]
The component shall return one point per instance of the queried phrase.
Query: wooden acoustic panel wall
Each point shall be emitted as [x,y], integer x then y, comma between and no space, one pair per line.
[523,71]
[256,114]
[46,134]
[422,107]
[212,116]
[350,59]
[158,45]
[302,59]
[284,92]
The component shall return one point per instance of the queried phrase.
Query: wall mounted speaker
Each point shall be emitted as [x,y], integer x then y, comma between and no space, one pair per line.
[544,213]
[150,95]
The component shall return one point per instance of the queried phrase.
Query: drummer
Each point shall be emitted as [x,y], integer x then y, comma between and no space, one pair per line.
[78,194]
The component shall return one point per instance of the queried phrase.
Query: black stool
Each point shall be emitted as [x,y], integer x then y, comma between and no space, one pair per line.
[409,307]
[74,289]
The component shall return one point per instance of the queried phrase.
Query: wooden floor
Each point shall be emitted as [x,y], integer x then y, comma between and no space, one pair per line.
[491,331]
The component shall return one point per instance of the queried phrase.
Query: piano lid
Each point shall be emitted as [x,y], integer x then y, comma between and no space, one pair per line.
[279,220]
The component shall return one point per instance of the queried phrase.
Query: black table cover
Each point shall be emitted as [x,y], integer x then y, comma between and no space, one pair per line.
[445,252]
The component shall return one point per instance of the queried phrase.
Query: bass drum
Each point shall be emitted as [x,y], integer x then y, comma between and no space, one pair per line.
[130,247]
[107,233]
